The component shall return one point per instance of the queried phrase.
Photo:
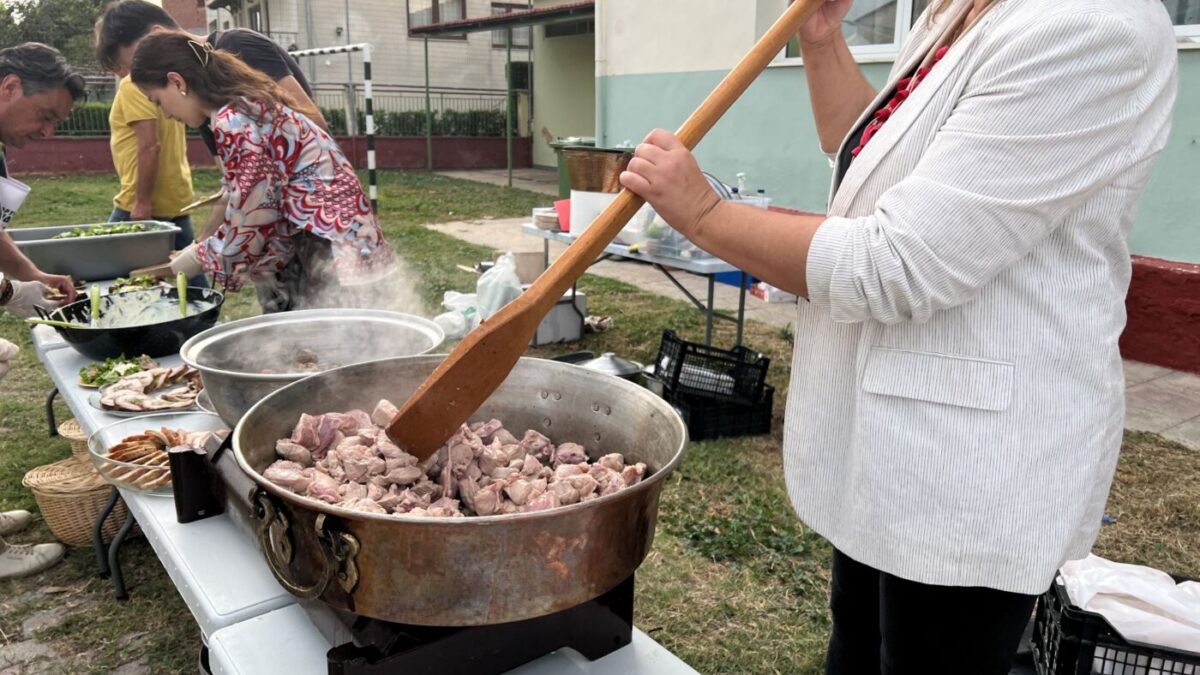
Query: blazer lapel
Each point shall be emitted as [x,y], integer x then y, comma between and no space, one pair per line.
[893,130]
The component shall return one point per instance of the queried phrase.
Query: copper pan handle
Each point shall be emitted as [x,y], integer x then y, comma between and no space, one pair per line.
[274,532]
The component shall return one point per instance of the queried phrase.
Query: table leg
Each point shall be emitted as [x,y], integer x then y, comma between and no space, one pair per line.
[712,283]
[741,310]
[114,559]
[98,533]
[545,254]
[50,411]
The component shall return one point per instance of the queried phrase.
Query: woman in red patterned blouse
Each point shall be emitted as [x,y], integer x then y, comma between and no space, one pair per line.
[298,224]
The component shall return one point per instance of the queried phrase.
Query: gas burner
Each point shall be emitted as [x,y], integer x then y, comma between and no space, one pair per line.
[594,629]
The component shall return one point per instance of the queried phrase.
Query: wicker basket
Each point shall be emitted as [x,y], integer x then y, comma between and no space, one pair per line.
[71,431]
[70,496]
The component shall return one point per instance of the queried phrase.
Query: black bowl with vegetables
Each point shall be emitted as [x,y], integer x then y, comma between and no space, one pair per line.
[146,322]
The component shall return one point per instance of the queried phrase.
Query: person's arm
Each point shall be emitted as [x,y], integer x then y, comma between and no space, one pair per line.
[252,235]
[148,152]
[15,265]
[292,86]
[836,87]
[1051,117]
[216,216]
[765,244]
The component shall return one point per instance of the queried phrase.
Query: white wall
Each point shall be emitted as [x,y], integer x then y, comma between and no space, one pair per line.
[669,36]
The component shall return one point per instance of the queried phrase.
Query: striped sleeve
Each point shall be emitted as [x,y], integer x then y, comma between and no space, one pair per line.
[1041,125]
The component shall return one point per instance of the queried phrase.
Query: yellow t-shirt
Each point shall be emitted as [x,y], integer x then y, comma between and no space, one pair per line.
[173,186]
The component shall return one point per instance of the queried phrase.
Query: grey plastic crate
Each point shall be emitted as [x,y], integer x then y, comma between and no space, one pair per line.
[104,256]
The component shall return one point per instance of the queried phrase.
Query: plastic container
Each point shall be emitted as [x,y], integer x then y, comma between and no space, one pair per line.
[708,418]
[135,476]
[1071,641]
[735,375]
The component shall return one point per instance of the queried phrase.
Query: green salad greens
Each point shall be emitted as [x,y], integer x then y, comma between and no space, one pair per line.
[132,284]
[113,369]
[96,230]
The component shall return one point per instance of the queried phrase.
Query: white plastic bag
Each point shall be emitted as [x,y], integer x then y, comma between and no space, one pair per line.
[498,286]
[1142,603]
[461,316]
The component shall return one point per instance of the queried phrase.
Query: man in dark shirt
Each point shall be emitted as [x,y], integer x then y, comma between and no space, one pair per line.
[123,24]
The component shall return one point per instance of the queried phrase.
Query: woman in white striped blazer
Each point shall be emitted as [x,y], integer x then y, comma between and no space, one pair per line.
[956,404]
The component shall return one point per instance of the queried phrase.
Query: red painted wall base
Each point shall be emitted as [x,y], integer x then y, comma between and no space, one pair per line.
[1164,314]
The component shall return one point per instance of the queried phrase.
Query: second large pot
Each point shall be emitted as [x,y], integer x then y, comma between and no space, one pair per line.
[243,361]
[466,571]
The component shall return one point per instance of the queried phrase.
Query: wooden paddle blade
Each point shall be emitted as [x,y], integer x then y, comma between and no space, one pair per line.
[464,380]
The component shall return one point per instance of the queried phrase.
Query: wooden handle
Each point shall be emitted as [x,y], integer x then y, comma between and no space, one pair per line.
[600,233]
[481,362]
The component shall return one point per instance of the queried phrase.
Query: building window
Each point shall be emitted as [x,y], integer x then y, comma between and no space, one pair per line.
[520,35]
[1185,14]
[429,12]
[873,28]
[254,18]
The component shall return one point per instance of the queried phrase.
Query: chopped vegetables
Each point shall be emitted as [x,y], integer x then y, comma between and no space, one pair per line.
[132,284]
[96,230]
[113,369]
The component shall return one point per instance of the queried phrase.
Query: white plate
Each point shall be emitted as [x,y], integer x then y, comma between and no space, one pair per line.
[94,401]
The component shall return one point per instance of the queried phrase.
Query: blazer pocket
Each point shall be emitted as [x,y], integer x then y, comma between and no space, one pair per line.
[939,378]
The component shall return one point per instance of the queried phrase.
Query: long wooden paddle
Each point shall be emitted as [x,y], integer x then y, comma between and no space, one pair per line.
[481,362]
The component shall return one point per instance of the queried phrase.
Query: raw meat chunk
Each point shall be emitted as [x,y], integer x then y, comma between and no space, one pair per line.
[537,445]
[354,420]
[362,504]
[614,461]
[352,491]
[323,487]
[305,432]
[291,450]
[383,413]
[482,470]
[632,474]
[403,475]
[543,502]
[570,453]
[289,475]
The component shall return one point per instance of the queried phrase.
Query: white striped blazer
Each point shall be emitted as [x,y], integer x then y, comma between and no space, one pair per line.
[956,404]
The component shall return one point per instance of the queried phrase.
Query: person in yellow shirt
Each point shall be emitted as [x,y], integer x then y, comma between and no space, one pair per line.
[150,154]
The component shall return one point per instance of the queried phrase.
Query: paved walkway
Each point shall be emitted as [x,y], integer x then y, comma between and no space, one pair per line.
[544,181]
[1158,400]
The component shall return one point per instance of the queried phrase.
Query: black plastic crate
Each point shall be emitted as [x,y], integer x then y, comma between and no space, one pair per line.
[1070,641]
[709,418]
[735,375]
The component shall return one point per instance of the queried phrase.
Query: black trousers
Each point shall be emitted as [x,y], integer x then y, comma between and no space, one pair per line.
[887,625]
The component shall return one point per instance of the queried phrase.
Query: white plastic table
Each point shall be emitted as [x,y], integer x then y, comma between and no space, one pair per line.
[216,568]
[705,267]
[251,624]
[298,648]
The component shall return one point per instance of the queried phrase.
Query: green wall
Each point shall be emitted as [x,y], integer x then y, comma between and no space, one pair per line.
[769,134]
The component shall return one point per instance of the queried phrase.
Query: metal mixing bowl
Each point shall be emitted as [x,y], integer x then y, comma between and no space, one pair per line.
[243,361]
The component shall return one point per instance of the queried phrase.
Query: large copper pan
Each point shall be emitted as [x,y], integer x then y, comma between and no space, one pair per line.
[466,571]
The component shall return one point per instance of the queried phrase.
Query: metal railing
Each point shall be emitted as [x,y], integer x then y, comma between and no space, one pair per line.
[399,111]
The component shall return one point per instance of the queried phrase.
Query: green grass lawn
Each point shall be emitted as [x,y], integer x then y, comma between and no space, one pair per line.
[735,582]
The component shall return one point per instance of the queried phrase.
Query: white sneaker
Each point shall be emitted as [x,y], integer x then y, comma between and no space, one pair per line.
[14,521]
[18,560]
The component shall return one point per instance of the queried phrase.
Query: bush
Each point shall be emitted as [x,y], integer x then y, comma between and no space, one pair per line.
[87,119]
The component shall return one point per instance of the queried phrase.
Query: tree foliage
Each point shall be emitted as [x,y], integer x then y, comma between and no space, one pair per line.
[64,24]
